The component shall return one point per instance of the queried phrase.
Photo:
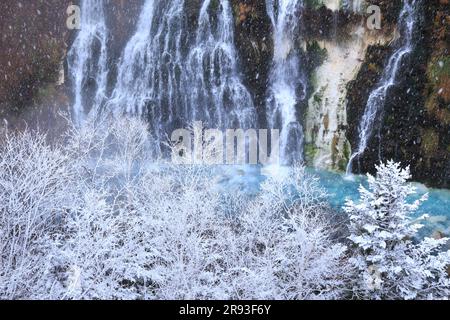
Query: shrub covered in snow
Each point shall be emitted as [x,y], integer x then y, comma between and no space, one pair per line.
[285,238]
[391,264]
[99,218]
[34,197]
[96,219]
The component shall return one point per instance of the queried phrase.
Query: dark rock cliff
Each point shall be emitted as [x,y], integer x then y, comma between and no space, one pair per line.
[34,40]
[415,128]
[253,36]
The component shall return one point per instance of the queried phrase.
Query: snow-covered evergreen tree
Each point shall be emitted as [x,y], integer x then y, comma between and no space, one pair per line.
[390,263]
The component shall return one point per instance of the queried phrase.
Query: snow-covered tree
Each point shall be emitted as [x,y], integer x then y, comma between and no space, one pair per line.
[390,262]
[286,243]
[34,196]
[96,258]
[99,218]
[134,230]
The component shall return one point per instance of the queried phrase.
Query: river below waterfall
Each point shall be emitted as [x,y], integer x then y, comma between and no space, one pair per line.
[340,188]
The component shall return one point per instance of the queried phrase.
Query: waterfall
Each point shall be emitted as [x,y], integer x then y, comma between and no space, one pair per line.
[353,5]
[286,79]
[377,99]
[149,79]
[174,81]
[357,5]
[87,60]
[216,93]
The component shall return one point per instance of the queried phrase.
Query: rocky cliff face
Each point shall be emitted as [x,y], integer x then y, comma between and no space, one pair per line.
[34,43]
[341,57]
[343,51]
[435,131]
[253,34]
[414,127]
[34,40]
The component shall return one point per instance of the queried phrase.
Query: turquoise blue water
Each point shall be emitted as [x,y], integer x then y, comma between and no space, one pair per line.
[340,188]
[437,206]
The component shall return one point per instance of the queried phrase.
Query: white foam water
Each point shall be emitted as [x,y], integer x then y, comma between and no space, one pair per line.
[88,59]
[286,79]
[174,81]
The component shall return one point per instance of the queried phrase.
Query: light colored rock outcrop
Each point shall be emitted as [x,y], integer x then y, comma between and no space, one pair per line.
[326,119]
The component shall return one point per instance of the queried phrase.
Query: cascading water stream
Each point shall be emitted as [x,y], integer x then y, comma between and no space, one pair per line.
[353,5]
[216,93]
[286,79]
[174,82]
[87,60]
[149,79]
[377,99]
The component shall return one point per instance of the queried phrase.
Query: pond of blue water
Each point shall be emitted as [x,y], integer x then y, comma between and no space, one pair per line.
[341,187]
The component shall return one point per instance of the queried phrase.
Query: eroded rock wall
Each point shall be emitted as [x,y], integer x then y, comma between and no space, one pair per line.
[327,146]
[415,126]
[342,59]
[34,41]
